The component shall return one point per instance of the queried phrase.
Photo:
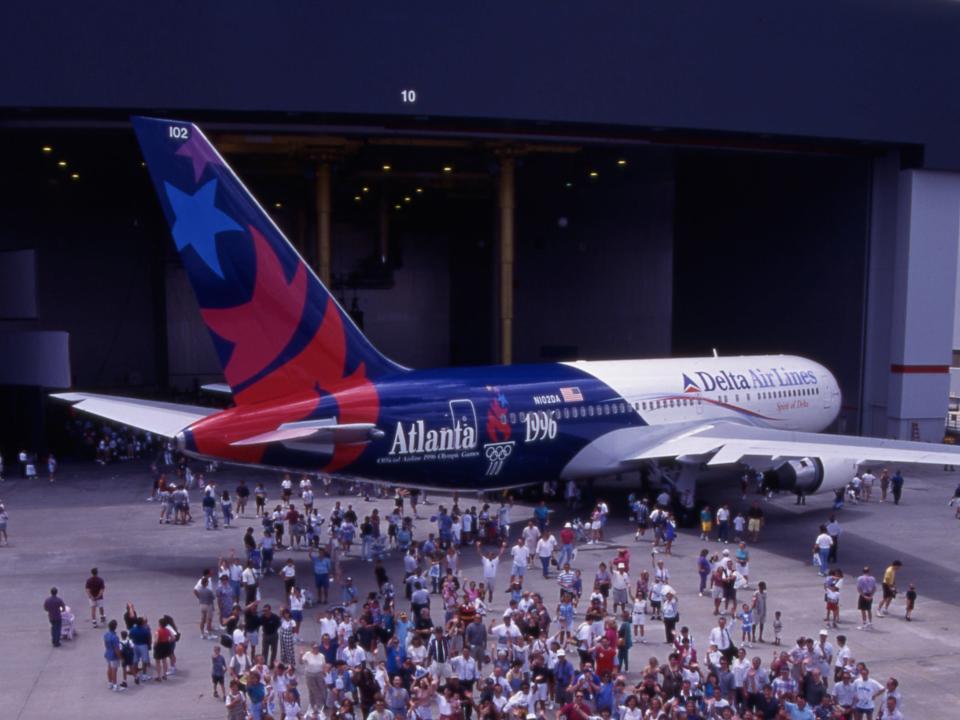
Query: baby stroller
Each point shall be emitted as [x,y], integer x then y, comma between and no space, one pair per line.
[578,528]
[68,624]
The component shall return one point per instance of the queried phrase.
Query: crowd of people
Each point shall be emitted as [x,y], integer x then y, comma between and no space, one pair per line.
[438,642]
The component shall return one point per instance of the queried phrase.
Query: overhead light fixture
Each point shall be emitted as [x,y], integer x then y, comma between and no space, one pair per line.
[407,199]
[278,205]
[143,163]
[366,189]
[62,163]
[397,206]
[47,149]
[75,176]
[594,174]
[419,191]
[568,184]
[447,168]
[621,162]
[387,168]
[356,198]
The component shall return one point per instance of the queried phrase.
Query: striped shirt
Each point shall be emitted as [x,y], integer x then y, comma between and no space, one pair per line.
[567,579]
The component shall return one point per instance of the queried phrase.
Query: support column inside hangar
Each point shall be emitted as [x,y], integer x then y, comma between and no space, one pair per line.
[323,222]
[507,205]
[923,297]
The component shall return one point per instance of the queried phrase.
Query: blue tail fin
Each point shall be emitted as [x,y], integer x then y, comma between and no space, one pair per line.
[278,331]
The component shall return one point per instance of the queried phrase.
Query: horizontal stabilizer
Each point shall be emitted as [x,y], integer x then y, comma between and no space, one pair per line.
[217,389]
[162,418]
[325,430]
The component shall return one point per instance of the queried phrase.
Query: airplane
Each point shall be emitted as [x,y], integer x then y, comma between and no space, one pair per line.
[311,394]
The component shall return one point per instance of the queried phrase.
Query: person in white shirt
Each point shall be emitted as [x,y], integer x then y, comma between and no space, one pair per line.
[620,585]
[520,554]
[821,548]
[840,657]
[353,654]
[506,633]
[867,690]
[464,667]
[546,546]
[531,534]
[490,562]
[720,636]
[314,663]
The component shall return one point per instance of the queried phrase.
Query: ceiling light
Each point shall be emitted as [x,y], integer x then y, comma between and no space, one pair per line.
[621,162]
[387,168]
[47,149]
[568,184]
[62,163]
[278,205]
[75,176]
[356,198]
[447,168]
[397,206]
[407,198]
[594,174]
[366,189]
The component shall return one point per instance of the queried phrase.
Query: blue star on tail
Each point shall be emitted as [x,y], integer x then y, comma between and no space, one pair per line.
[198,221]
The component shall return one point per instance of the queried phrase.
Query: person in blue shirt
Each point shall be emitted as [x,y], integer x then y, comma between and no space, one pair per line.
[256,692]
[111,653]
[321,574]
[541,513]
[799,710]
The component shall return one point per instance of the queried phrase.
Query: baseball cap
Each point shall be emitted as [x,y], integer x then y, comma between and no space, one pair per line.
[561,653]
[824,632]
[566,525]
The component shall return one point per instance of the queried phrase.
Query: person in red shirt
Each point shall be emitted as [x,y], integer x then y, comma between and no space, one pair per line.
[576,710]
[604,656]
[622,558]
[95,587]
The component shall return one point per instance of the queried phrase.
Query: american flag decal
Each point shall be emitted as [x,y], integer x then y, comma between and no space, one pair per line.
[571,394]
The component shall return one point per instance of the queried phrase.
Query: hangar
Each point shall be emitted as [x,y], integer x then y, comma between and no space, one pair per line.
[505,184]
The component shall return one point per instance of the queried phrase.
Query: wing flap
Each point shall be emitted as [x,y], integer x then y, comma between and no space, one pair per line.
[729,442]
[154,416]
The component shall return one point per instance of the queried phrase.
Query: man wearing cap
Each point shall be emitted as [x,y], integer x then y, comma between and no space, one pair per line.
[823,653]
[562,677]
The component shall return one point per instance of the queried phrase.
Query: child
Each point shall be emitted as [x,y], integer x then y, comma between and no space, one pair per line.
[565,613]
[739,522]
[777,628]
[911,601]
[706,523]
[235,702]
[577,587]
[127,655]
[832,598]
[746,624]
[218,671]
[639,617]
[434,574]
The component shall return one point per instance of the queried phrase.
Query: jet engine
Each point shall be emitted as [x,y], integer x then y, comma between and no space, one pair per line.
[809,475]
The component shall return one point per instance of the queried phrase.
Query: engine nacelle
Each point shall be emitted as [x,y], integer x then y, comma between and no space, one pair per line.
[809,475]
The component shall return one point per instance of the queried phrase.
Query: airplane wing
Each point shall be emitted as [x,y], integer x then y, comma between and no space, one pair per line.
[162,418]
[726,443]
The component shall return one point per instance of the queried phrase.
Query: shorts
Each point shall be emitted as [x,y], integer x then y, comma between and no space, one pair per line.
[519,570]
[888,592]
[639,619]
[297,615]
[113,664]
[706,527]
[864,603]
[753,525]
[161,651]
[604,589]
[98,603]
[729,593]
[322,581]
[833,607]
[206,613]
[619,597]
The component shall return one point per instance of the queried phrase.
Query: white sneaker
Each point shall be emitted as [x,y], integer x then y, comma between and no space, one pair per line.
[119,688]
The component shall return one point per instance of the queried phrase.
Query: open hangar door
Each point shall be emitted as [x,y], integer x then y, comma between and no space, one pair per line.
[770,256]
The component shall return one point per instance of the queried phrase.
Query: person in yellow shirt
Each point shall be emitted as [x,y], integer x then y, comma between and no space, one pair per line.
[889,587]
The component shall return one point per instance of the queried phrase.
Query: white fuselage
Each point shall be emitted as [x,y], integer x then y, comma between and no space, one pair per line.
[780,391]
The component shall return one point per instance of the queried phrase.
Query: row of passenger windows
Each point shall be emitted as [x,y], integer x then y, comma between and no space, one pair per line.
[619,408]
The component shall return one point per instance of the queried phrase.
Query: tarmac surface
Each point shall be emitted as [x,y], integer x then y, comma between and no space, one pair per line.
[95,516]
